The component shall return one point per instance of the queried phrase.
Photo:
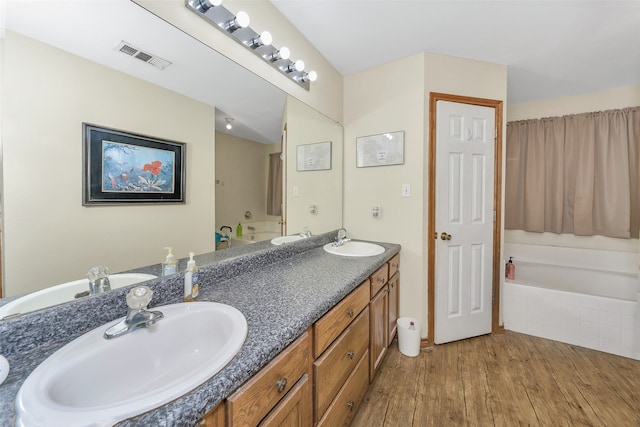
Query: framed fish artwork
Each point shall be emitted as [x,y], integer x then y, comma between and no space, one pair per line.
[122,167]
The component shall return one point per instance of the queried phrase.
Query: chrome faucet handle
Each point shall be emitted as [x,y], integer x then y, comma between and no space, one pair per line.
[139,297]
[97,272]
[98,277]
[342,234]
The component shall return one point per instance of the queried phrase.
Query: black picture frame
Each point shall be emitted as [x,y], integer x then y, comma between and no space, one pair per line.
[122,167]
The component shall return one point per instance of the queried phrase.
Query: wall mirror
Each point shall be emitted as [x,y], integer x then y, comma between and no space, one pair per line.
[114,64]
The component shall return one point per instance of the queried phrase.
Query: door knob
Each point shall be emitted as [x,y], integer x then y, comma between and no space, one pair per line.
[445,236]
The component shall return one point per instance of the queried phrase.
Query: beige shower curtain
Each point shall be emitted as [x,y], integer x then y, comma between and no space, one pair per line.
[274,185]
[576,174]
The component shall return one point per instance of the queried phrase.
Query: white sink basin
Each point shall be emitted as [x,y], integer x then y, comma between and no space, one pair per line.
[95,381]
[354,249]
[65,292]
[286,239]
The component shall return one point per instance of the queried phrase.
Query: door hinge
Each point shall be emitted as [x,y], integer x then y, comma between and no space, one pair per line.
[494,216]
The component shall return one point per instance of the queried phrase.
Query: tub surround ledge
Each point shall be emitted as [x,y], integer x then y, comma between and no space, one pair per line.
[281,290]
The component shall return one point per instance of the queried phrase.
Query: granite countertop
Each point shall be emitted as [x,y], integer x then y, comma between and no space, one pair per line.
[281,292]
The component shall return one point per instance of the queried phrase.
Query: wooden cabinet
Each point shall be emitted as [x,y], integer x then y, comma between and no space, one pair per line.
[332,369]
[250,404]
[378,334]
[215,417]
[346,404]
[327,329]
[394,306]
[295,409]
[348,344]
[383,309]
[341,344]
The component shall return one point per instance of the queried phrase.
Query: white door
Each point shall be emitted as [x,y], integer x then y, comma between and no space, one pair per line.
[465,136]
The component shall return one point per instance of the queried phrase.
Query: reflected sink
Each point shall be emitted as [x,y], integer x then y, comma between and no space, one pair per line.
[354,249]
[66,292]
[95,381]
[286,239]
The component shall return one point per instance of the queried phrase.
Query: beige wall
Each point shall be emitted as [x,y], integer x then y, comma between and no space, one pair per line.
[49,236]
[325,94]
[394,97]
[241,176]
[322,188]
[627,96]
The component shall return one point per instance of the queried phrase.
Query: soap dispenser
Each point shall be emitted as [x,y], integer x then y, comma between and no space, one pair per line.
[239,230]
[169,264]
[510,269]
[191,287]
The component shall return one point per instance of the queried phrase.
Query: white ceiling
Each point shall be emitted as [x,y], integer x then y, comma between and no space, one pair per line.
[551,48]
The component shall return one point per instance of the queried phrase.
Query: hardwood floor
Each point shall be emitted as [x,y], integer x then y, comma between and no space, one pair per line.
[503,380]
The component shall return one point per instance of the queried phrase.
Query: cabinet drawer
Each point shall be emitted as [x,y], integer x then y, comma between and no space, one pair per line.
[334,366]
[346,403]
[294,409]
[333,323]
[379,279]
[394,264]
[254,400]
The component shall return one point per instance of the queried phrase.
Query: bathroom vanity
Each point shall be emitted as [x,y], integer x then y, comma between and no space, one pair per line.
[318,328]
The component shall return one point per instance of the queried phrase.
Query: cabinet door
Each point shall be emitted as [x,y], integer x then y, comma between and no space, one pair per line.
[294,410]
[214,418]
[378,323]
[394,294]
[258,396]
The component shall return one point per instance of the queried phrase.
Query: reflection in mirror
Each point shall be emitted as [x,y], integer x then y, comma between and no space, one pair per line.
[60,69]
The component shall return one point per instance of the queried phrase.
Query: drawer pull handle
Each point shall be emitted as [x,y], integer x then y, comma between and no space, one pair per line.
[381,279]
[351,354]
[394,265]
[350,312]
[282,384]
[351,405]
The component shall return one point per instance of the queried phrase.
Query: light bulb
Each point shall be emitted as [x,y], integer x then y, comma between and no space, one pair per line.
[242,19]
[284,53]
[299,65]
[313,76]
[229,126]
[266,38]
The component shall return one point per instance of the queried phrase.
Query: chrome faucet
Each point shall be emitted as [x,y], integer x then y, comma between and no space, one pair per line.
[137,316]
[98,277]
[341,239]
[305,234]
[98,280]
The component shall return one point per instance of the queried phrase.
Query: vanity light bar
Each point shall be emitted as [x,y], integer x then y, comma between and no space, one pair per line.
[260,44]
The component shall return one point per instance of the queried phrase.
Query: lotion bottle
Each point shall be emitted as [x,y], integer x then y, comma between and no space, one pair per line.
[191,287]
[239,230]
[169,264]
[510,269]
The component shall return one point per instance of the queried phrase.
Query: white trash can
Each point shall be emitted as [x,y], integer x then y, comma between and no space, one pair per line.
[409,336]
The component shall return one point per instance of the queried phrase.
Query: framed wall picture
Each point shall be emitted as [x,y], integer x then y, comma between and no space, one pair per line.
[313,157]
[384,149]
[126,168]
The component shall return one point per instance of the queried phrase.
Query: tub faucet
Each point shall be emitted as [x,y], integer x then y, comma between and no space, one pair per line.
[137,315]
[341,237]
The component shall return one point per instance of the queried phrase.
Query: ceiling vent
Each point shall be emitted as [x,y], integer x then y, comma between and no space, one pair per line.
[150,59]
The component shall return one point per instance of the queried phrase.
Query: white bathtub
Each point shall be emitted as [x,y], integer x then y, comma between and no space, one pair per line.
[256,231]
[578,296]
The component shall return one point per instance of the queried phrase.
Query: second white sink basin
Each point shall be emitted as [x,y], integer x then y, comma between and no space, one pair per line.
[95,381]
[286,239]
[354,249]
[65,292]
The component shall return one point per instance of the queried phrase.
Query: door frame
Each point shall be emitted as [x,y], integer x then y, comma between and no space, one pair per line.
[497,105]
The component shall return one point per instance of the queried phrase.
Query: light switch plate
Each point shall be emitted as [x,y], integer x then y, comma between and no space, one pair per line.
[406,190]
